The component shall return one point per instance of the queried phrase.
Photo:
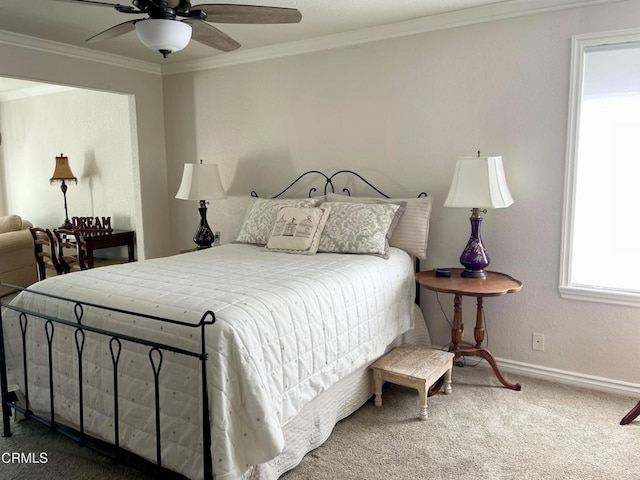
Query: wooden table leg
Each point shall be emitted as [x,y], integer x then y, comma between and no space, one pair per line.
[377,386]
[423,394]
[131,251]
[447,381]
[477,350]
[457,330]
[90,259]
[486,354]
[631,416]
[478,331]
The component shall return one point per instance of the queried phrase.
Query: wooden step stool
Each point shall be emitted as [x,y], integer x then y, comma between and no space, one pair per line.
[413,366]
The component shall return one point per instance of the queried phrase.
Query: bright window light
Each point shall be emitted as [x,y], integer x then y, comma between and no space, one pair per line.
[600,253]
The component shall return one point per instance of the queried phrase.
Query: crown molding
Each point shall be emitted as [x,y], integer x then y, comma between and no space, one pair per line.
[470,16]
[48,46]
[36,90]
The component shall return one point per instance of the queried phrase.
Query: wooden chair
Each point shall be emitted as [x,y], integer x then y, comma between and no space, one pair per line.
[44,249]
[71,251]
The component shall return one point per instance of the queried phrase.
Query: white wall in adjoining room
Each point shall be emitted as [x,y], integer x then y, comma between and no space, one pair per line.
[401,111]
[143,85]
[91,128]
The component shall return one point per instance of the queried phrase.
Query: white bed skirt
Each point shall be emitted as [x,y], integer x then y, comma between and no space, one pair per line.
[314,423]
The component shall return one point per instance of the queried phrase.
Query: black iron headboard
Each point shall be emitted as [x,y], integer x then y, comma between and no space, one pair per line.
[328,186]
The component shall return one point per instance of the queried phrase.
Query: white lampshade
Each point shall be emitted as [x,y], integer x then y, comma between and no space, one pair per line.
[201,182]
[163,35]
[479,183]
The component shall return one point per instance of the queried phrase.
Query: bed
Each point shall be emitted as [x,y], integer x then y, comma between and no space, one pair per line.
[233,361]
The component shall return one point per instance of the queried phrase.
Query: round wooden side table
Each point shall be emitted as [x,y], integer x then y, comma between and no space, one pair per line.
[495,284]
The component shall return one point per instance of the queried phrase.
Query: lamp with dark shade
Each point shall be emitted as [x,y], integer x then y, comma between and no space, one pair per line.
[479,184]
[201,182]
[63,174]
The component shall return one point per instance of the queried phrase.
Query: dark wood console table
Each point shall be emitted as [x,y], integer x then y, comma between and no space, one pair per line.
[495,284]
[97,239]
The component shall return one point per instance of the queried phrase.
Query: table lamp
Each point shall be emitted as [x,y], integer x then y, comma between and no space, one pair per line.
[63,174]
[479,184]
[201,182]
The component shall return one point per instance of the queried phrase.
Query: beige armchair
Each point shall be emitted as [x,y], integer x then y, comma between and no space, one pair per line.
[17,261]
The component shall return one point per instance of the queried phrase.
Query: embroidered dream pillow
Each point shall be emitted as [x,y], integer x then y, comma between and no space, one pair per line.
[297,230]
[261,216]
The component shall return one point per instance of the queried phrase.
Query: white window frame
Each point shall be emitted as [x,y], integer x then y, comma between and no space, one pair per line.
[567,288]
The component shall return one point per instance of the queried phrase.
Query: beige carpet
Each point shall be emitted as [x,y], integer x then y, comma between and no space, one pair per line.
[480,431]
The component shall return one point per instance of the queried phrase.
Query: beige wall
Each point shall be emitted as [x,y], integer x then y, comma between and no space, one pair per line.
[401,111]
[149,181]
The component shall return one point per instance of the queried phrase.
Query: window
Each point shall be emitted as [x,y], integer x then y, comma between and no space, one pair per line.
[601,231]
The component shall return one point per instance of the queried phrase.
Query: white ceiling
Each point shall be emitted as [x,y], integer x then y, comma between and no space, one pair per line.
[64,25]
[71,23]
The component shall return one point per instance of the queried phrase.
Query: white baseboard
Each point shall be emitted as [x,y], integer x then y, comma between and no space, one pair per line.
[564,377]
[560,376]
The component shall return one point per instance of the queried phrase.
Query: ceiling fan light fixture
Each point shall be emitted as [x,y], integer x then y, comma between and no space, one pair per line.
[163,35]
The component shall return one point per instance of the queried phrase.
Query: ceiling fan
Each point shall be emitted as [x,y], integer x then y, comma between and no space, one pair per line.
[163,31]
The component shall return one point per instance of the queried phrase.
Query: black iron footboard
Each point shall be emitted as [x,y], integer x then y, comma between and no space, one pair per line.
[38,320]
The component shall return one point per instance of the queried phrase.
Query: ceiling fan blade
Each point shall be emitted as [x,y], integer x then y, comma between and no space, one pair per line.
[117,6]
[114,31]
[225,13]
[211,36]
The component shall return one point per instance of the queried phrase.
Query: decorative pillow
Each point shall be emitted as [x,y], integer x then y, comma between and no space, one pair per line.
[261,216]
[297,230]
[359,228]
[10,223]
[412,232]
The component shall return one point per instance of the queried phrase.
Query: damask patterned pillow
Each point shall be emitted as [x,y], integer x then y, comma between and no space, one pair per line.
[261,216]
[360,228]
[412,232]
[297,230]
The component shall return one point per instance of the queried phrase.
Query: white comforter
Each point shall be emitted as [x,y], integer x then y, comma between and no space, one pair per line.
[287,328]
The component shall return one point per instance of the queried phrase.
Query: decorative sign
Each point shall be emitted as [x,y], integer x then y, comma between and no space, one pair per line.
[92,223]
